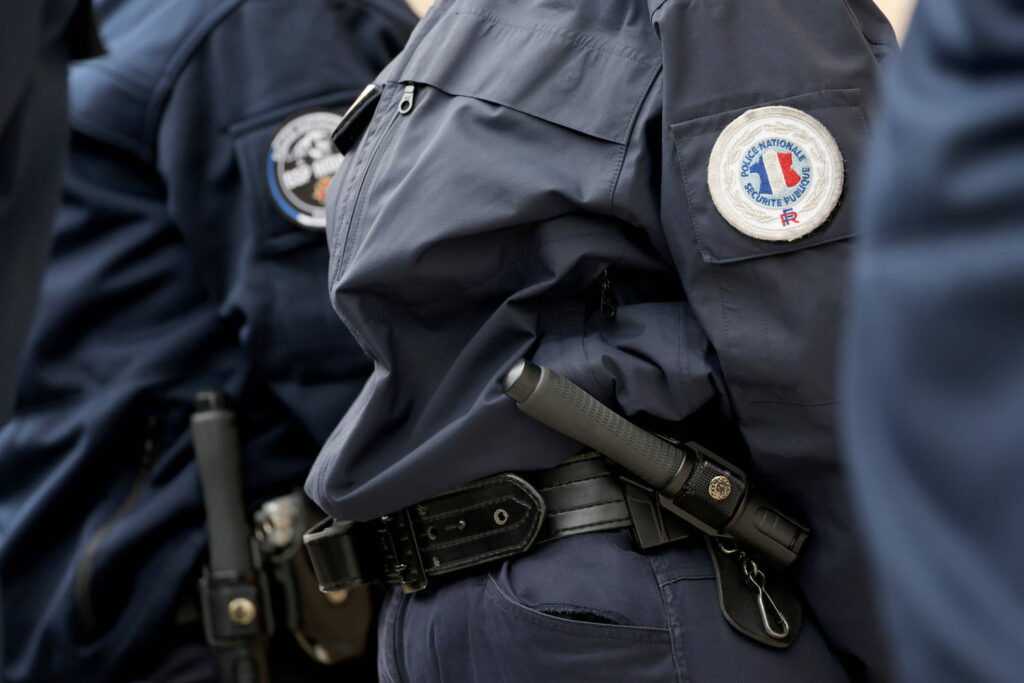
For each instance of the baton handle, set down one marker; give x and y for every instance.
(556, 402)
(217, 450)
(232, 591)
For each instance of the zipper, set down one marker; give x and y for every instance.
(609, 304)
(405, 106)
(84, 569)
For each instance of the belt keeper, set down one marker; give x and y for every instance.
(400, 538)
(344, 554)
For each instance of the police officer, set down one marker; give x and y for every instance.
(189, 254)
(38, 38)
(934, 372)
(650, 199)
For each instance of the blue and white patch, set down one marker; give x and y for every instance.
(776, 173)
(300, 164)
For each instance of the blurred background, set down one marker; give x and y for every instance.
(899, 12)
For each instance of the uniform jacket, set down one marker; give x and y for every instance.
(554, 159)
(934, 373)
(174, 268)
(38, 40)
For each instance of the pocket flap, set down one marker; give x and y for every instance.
(838, 111)
(583, 81)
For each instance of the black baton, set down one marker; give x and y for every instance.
(693, 483)
(234, 614)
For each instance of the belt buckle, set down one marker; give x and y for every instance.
(400, 543)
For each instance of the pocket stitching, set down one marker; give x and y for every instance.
(560, 33)
(471, 24)
(516, 610)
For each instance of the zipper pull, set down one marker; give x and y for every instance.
(608, 304)
(408, 99)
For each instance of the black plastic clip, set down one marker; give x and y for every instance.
(652, 527)
(235, 605)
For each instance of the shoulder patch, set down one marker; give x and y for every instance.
(300, 164)
(776, 173)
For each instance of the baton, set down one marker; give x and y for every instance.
(231, 590)
(695, 484)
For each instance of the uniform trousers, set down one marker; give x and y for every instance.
(587, 608)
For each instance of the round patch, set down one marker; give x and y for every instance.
(301, 162)
(776, 173)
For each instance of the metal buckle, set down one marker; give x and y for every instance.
(400, 543)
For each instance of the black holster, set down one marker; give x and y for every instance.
(331, 627)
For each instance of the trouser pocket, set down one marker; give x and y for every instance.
(585, 608)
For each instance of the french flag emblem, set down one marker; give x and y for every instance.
(776, 172)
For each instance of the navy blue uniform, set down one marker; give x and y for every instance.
(935, 373)
(38, 40)
(180, 262)
(552, 159)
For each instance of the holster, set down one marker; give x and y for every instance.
(331, 627)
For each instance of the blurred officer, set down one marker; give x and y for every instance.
(189, 254)
(38, 38)
(649, 199)
(935, 369)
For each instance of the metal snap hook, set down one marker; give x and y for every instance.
(769, 611)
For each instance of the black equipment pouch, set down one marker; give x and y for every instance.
(332, 626)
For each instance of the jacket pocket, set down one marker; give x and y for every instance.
(286, 161)
(463, 183)
(356, 177)
(839, 111)
(454, 155)
(772, 307)
(588, 83)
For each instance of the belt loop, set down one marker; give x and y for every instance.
(400, 538)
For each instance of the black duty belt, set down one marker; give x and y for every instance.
(488, 520)
(508, 514)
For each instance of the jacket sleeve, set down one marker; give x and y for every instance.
(934, 371)
(33, 140)
(762, 113)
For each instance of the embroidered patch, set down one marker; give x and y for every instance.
(776, 173)
(300, 164)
